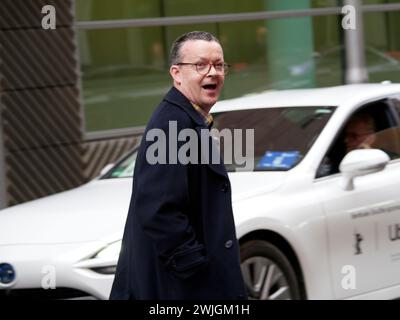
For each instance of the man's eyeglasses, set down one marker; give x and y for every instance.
(204, 68)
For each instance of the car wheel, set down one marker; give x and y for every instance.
(267, 273)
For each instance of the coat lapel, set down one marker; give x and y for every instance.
(210, 151)
(175, 97)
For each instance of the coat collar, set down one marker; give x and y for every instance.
(177, 98)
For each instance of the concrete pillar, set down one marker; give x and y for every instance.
(41, 127)
(290, 47)
(356, 71)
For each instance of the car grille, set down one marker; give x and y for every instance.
(42, 294)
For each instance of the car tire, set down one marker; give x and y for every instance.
(267, 273)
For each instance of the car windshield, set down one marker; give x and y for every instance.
(124, 168)
(282, 135)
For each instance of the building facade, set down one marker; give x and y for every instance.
(77, 97)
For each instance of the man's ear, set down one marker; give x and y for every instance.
(175, 73)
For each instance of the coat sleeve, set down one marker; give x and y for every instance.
(162, 205)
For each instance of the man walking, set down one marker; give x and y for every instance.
(179, 240)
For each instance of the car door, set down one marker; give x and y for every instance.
(363, 225)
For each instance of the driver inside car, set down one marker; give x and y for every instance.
(360, 132)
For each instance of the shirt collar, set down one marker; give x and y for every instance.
(208, 118)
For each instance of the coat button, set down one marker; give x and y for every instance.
(225, 187)
(228, 244)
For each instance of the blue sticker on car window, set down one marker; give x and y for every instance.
(278, 160)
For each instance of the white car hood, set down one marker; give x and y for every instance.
(250, 184)
(88, 213)
(97, 210)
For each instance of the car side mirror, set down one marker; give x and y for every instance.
(361, 162)
(106, 168)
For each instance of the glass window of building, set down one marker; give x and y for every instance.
(125, 70)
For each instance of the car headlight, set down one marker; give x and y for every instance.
(104, 261)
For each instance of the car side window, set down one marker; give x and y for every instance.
(371, 126)
(388, 139)
(395, 102)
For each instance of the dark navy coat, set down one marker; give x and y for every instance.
(179, 240)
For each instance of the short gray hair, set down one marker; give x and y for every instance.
(174, 56)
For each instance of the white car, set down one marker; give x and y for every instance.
(313, 222)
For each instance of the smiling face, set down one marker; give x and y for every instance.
(202, 90)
